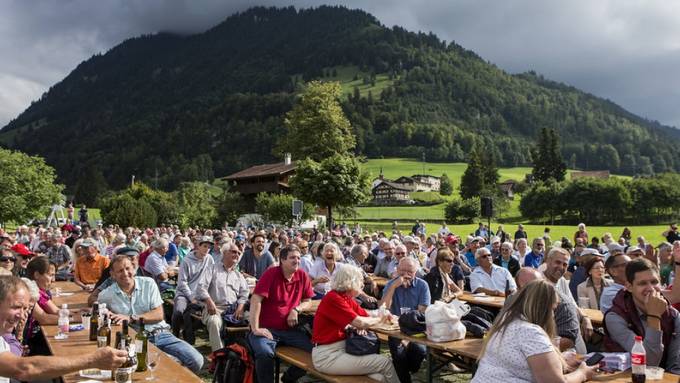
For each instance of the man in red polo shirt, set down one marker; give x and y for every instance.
(280, 294)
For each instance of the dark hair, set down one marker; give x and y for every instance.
(611, 260)
(40, 264)
(117, 259)
(283, 255)
(273, 246)
(638, 265)
(590, 263)
(252, 239)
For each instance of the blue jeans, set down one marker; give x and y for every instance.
(171, 345)
(406, 360)
(264, 351)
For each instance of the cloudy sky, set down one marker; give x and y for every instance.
(626, 51)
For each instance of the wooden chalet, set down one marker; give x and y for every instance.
(388, 192)
(269, 178)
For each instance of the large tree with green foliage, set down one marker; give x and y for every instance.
(334, 181)
(229, 205)
(196, 202)
(28, 187)
(547, 158)
(316, 126)
(472, 180)
(163, 204)
(91, 185)
(124, 210)
(278, 208)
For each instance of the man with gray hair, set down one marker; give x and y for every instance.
(60, 255)
(489, 278)
(157, 266)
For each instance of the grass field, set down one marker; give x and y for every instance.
(651, 232)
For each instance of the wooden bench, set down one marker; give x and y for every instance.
(302, 359)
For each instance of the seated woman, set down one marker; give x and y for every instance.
(591, 289)
(518, 347)
(445, 279)
(323, 270)
(337, 311)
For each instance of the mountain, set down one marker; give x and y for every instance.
(170, 108)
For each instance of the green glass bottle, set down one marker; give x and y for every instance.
(141, 346)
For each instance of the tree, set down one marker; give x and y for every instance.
(163, 204)
(28, 187)
(547, 158)
(445, 186)
(335, 181)
(462, 211)
(196, 204)
(124, 210)
(229, 205)
(472, 180)
(490, 174)
(278, 208)
(91, 185)
(316, 126)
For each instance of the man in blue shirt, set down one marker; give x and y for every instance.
(256, 260)
(131, 298)
(406, 292)
(470, 254)
(535, 257)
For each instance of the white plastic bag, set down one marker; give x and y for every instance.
(443, 323)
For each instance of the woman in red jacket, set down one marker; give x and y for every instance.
(337, 311)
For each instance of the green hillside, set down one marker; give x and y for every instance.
(170, 108)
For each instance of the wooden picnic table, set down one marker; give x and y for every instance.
(486, 300)
(625, 377)
(380, 281)
(466, 350)
(596, 316)
(78, 342)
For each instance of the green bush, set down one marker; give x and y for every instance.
(125, 211)
(462, 211)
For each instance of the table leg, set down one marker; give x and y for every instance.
(430, 367)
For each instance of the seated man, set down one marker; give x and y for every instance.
(194, 268)
(489, 278)
(383, 265)
(222, 289)
(157, 266)
(406, 291)
(106, 280)
(641, 310)
(280, 294)
(90, 266)
(615, 266)
(60, 255)
(131, 298)
(255, 259)
(401, 251)
(535, 257)
(14, 301)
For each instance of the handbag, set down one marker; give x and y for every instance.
(359, 345)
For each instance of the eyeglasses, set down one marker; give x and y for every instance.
(400, 253)
(485, 256)
(448, 260)
(8, 259)
(505, 248)
(539, 245)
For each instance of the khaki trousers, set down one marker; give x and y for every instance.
(332, 359)
(214, 325)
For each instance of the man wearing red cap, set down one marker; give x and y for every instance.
(23, 256)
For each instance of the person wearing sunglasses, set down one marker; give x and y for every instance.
(489, 278)
(7, 260)
(446, 280)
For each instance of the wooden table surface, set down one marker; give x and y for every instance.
(625, 377)
(78, 342)
(468, 347)
(596, 316)
(488, 301)
(380, 281)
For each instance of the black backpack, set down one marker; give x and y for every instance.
(227, 365)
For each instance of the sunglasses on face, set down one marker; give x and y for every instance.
(400, 253)
(448, 260)
(8, 259)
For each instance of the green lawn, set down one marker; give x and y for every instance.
(651, 232)
(346, 74)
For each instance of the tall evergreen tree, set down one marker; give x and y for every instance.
(472, 180)
(547, 158)
(445, 186)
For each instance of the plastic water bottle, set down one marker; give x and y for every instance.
(671, 278)
(638, 360)
(63, 322)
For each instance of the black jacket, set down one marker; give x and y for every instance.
(434, 281)
(513, 265)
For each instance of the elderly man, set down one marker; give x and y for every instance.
(506, 260)
(157, 266)
(280, 294)
(489, 278)
(382, 268)
(195, 267)
(535, 257)
(357, 257)
(90, 266)
(256, 260)
(306, 260)
(615, 266)
(131, 298)
(59, 254)
(223, 290)
(406, 291)
(641, 310)
(14, 301)
(472, 247)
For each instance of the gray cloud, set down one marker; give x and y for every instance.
(626, 51)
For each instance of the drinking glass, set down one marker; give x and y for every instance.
(152, 359)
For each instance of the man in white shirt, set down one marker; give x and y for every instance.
(489, 278)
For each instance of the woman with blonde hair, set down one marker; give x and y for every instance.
(518, 347)
(337, 311)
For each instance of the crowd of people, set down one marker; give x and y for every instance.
(212, 274)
